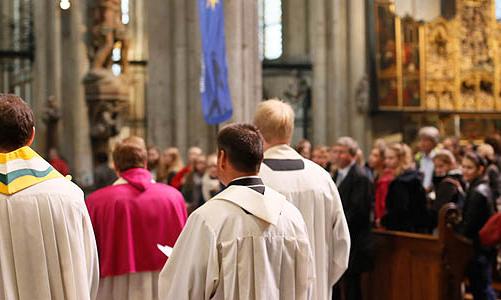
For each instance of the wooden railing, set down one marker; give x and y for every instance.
(418, 266)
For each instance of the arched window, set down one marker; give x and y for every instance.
(498, 10)
(270, 29)
(125, 11)
(116, 55)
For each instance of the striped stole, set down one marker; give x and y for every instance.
(23, 168)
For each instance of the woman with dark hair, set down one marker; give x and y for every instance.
(477, 209)
(492, 172)
(406, 198)
(304, 148)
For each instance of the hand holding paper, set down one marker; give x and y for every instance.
(165, 250)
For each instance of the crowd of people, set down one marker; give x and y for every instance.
(258, 219)
(404, 190)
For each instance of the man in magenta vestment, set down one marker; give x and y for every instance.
(130, 218)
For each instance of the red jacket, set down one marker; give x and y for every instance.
(490, 234)
(178, 181)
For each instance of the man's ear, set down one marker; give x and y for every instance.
(32, 137)
(221, 158)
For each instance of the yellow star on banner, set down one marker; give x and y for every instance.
(212, 3)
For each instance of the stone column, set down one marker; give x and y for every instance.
(318, 41)
(244, 67)
(339, 117)
(159, 106)
(75, 117)
(295, 31)
(47, 69)
(338, 50)
(138, 51)
(358, 84)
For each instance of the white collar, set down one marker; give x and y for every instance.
(282, 151)
(267, 207)
(120, 180)
(346, 169)
(253, 176)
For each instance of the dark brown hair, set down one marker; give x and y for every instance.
(476, 159)
(243, 146)
(16, 122)
(495, 141)
(130, 153)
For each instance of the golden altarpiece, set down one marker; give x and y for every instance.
(448, 68)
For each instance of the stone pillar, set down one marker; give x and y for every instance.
(338, 50)
(75, 116)
(295, 31)
(318, 41)
(173, 103)
(180, 78)
(340, 112)
(47, 69)
(138, 51)
(358, 80)
(244, 67)
(160, 109)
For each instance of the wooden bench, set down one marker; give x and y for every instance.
(418, 266)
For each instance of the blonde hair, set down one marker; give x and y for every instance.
(446, 157)
(166, 168)
(486, 151)
(275, 120)
(404, 156)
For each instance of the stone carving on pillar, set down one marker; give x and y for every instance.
(298, 88)
(51, 117)
(362, 95)
(106, 94)
(299, 94)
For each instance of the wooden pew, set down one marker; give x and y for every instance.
(412, 266)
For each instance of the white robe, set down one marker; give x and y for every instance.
(132, 286)
(47, 244)
(241, 245)
(314, 193)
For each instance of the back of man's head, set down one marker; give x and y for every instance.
(130, 153)
(16, 122)
(275, 120)
(242, 145)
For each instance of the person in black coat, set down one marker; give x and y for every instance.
(478, 207)
(447, 182)
(356, 192)
(406, 199)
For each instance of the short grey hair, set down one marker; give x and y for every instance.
(349, 143)
(430, 132)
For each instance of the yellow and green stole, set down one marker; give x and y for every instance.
(23, 168)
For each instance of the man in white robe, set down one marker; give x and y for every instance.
(247, 242)
(47, 245)
(311, 189)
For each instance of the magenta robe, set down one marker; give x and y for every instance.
(131, 218)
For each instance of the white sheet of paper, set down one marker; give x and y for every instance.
(165, 250)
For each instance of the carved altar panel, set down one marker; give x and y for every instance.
(475, 23)
(440, 76)
(444, 65)
(411, 35)
(386, 57)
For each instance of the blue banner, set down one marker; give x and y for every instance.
(216, 99)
